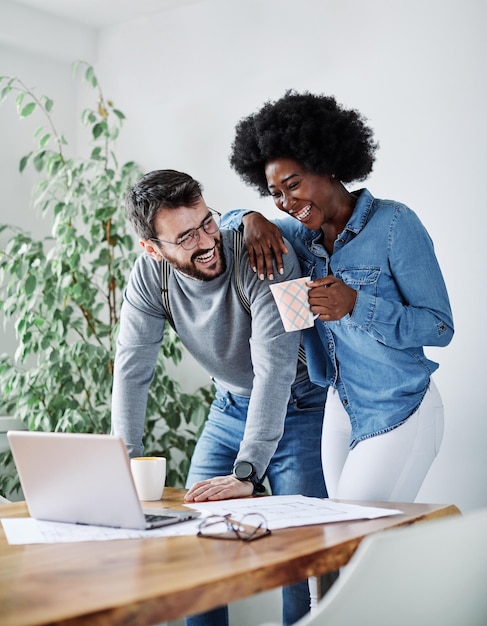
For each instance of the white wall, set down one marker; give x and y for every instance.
(415, 68)
(40, 50)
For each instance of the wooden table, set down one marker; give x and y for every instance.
(147, 581)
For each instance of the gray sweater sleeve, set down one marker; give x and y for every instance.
(139, 339)
(274, 360)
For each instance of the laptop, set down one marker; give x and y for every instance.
(83, 479)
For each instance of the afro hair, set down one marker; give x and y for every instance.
(311, 129)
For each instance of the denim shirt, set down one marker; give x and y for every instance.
(374, 356)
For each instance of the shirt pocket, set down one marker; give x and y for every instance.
(365, 279)
(360, 278)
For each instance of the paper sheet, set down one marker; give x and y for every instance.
(279, 511)
(28, 530)
(289, 511)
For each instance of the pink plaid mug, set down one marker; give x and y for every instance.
(291, 298)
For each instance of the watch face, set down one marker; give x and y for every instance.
(244, 470)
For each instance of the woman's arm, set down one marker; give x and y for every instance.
(263, 240)
(422, 316)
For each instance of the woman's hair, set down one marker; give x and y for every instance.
(160, 189)
(313, 130)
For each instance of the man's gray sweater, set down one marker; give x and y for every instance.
(250, 356)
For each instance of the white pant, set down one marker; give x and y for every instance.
(388, 467)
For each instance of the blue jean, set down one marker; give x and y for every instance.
(295, 468)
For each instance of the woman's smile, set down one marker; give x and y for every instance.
(303, 214)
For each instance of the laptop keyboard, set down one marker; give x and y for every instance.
(157, 518)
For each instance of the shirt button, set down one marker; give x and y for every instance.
(345, 402)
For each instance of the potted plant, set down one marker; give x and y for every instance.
(64, 292)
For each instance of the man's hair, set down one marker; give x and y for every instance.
(159, 189)
(311, 129)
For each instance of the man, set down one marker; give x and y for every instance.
(266, 418)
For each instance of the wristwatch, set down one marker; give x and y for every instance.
(245, 471)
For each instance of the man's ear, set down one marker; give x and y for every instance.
(150, 249)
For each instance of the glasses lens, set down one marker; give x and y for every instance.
(216, 526)
(212, 225)
(252, 526)
(189, 241)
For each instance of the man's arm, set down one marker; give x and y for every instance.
(139, 339)
(274, 358)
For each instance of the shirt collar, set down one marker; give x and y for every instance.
(361, 212)
(357, 220)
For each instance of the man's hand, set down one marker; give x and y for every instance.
(264, 244)
(330, 298)
(219, 488)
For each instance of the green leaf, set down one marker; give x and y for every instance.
(128, 242)
(88, 117)
(58, 207)
(53, 164)
(44, 140)
(19, 100)
(30, 284)
(96, 153)
(23, 162)
(90, 76)
(99, 129)
(39, 160)
(4, 92)
(28, 109)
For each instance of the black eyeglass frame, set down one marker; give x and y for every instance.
(193, 236)
(237, 527)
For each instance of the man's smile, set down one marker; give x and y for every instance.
(206, 256)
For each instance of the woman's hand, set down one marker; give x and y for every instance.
(330, 298)
(264, 244)
(219, 488)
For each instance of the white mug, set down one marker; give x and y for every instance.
(149, 474)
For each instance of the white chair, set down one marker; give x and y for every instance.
(433, 573)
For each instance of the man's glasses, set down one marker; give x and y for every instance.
(189, 240)
(248, 528)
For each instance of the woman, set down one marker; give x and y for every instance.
(376, 287)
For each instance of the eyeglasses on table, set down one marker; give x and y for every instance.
(249, 527)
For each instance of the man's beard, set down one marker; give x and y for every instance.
(192, 269)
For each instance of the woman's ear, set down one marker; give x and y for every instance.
(150, 249)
